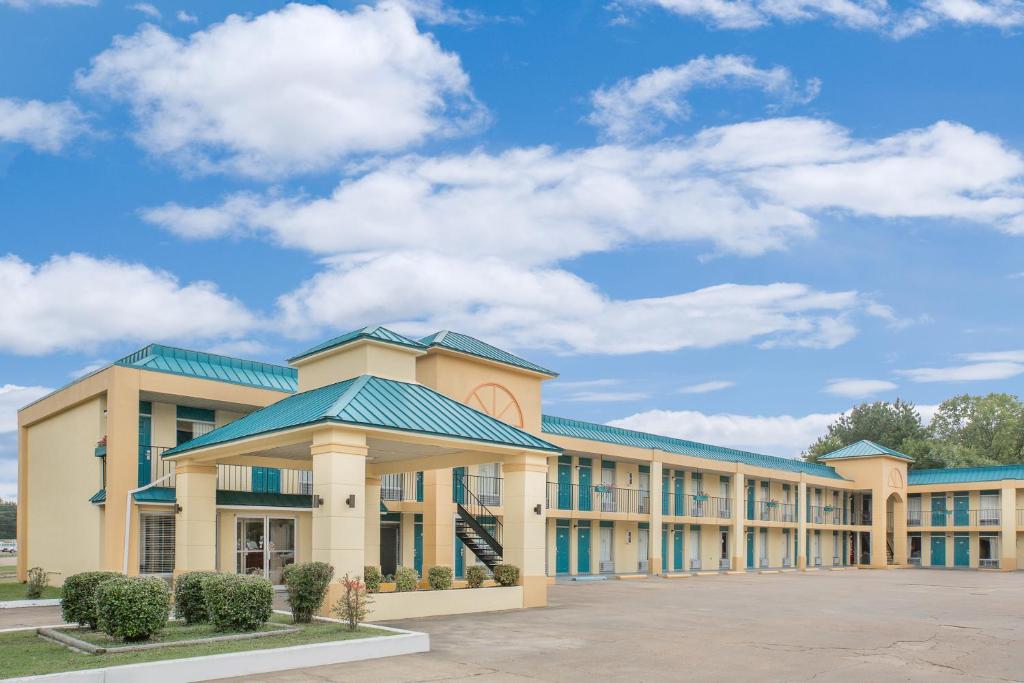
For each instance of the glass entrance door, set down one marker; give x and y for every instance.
(265, 546)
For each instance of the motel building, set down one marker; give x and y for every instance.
(376, 449)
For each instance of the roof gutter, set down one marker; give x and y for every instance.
(128, 516)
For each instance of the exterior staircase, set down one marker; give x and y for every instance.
(478, 528)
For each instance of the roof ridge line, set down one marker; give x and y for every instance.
(347, 396)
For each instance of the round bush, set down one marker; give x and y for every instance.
(236, 602)
(132, 608)
(307, 587)
(190, 598)
(406, 579)
(476, 575)
(439, 578)
(506, 574)
(78, 597)
(372, 578)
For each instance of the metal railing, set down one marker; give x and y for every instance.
(774, 511)
(1020, 518)
(955, 518)
(477, 515)
(240, 478)
(399, 487)
(695, 505)
(597, 498)
(486, 489)
(988, 563)
(825, 514)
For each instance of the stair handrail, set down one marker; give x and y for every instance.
(471, 509)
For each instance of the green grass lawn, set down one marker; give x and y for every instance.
(175, 631)
(26, 654)
(12, 590)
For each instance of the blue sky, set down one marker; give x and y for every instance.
(728, 221)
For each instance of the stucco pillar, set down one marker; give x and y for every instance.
(801, 531)
(371, 540)
(523, 526)
(654, 552)
(878, 529)
(438, 519)
(899, 532)
(195, 528)
(339, 521)
(122, 466)
(21, 530)
(1007, 529)
(739, 540)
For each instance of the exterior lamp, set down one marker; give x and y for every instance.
(538, 508)
(318, 501)
(177, 509)
(351, 500)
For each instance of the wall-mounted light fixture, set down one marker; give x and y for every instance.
(351, 500)
(629, 537)
(629, 478)
(538, 508)
(318, 501)
(177, 509)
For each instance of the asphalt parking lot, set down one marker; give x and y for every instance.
(899, 625)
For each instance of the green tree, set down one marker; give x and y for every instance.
(978, 430)
(8, 518)
(894, 425)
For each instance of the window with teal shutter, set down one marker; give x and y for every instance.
(259, 479)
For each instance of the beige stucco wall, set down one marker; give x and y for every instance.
(352, 360)
(227, 524)
(388, 606)
(64, 527)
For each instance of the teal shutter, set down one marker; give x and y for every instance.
(273, 477)
(259, 480)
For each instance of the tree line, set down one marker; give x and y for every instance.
(966, 431)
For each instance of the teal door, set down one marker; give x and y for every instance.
(586, 490)
(564, 486)
(665, 494)
(961, 510)
(750, 549)
(562, 550)
(938, 509)
(677, 549)
(145, 450)
(458, 494)
(460, 557)
(664, 549)
(750, 500)
(419, 487)
(583, 550)
(677, 491)
(417, 548)
(961, 550)
(938, 550)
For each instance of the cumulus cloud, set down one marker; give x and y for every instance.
(876, 15)
(185, 17)
(146, 8)
(859, 388)
(43, 126)
(971, 372)
(707, 387)
(784, 435)
(29, 4)
(635, 107)
(14, 397)
(76, 302)
(299, 89)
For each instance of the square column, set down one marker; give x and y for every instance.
(899, 532)
(371, 539)
(801, 531)
(654, 553)
(438, 520)
(879, 529)
(195, 528)
(339, 526)
(523, 528)
(1007, 529)
(739, 540)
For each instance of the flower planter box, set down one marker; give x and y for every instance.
(389, 606)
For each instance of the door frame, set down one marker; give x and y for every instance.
(266, 539)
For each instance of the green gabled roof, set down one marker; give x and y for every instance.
(99, 497)
(627, 437)
(374, 332)
(167, 495)
(463, 343)
(862, 449)
(160, 358)
(963, 475)
(372, 402)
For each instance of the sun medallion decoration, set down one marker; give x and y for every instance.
(496, 401)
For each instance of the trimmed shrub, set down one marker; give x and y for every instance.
(439, 578)
(133, 608)
(236, 602)
(406, 579)
(78, 597)
(506, 574)
(372, 578)
(307, 587)
(190, 597)
(37, 581)
(476, 575)
(353, 605)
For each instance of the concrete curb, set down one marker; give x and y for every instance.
(15, 604)
(252, 662)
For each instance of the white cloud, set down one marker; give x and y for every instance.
(858, 388)
(439, 12)
(521, 307)
(186, 18)
(927, 412)
(784, 435)
(8, 472)
(88, 368)
(43, 126)
(607, 396)
(298, 89)
(146, 8)
(965, 373)
(558, 384)
(77, 302)
(745, 188)
(1016, 356)
(28, 4)
(13, 397)
(876, 15)
(241, 348)
(707, 387)
(636, 107)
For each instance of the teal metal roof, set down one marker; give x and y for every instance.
(374, 332)
(463, 343)
(160, 358)
(164, 494)
(373, 402)
(963, 475)
(626, 437)
(864, 448)
(99, 497)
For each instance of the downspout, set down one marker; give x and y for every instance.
(128, 516)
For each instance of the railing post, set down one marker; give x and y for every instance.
(739, 541)
(654, 549)
(801, 515)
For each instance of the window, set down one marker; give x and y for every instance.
(915, 548)
(988, 550)
(305, 482)
(989, 508)
(156, 543)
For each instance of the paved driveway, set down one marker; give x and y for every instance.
(853, 626)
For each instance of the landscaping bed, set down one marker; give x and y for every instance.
(13, 589)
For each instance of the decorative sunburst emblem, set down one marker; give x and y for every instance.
(895, 479)
(496, 401)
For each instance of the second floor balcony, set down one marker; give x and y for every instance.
(954, 518)
(598, 498)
